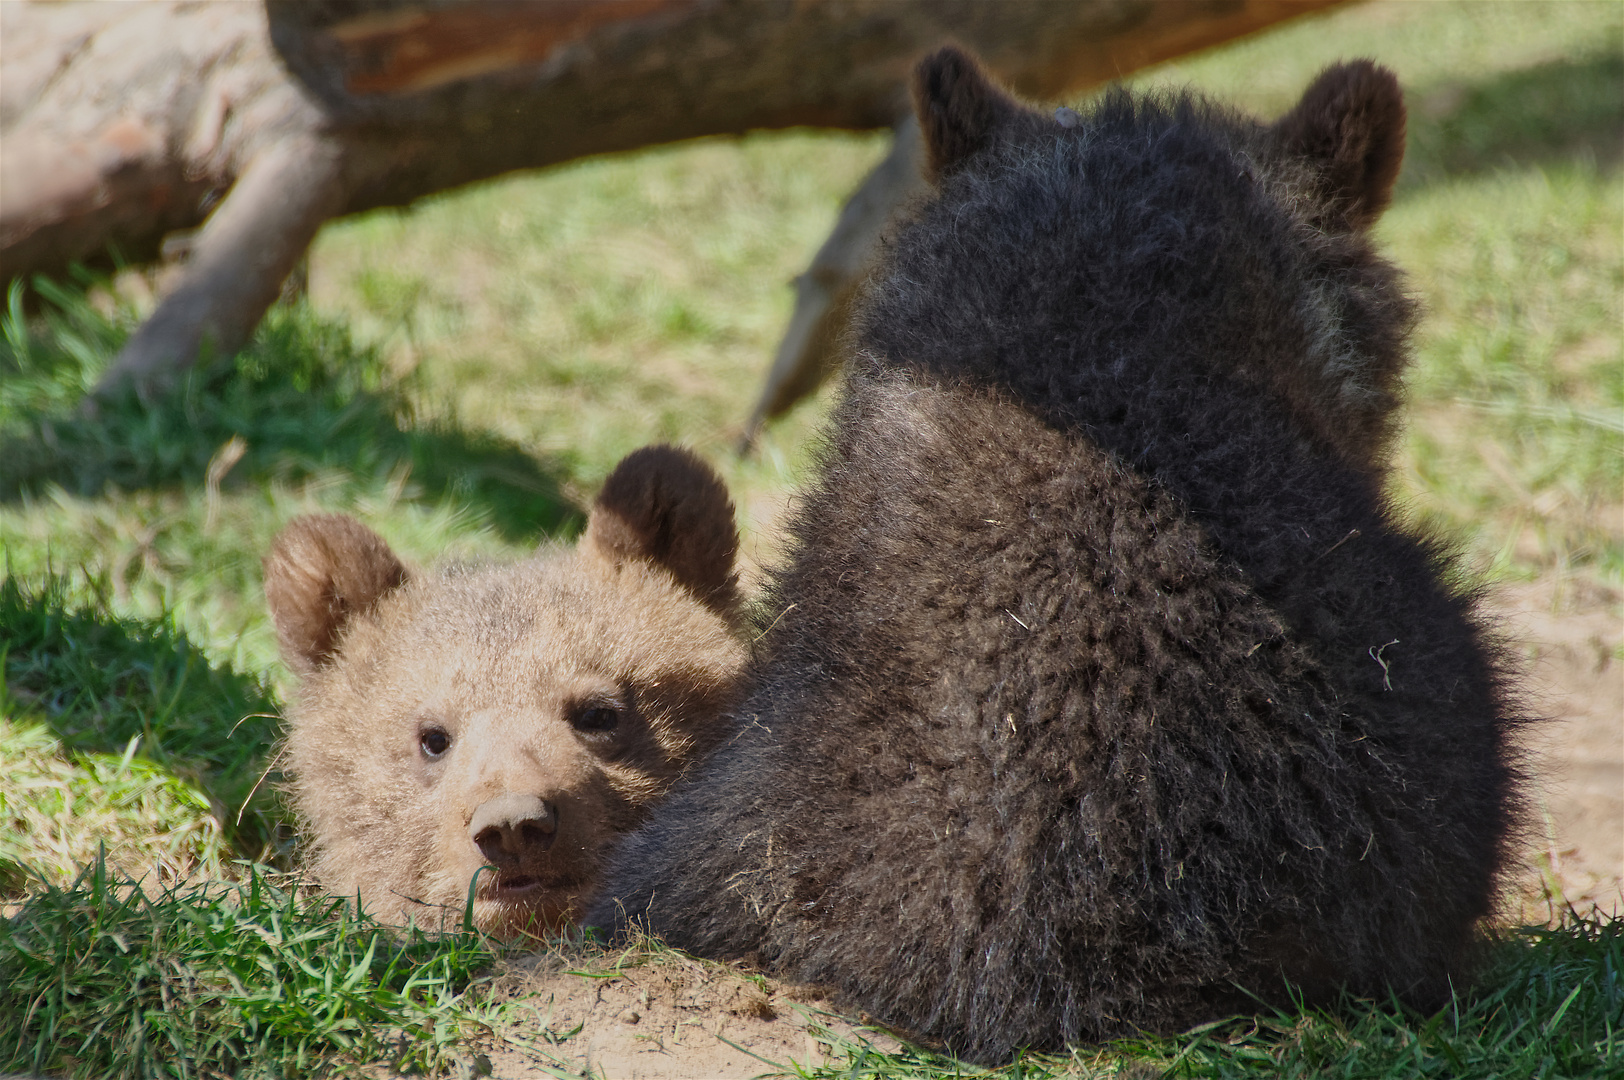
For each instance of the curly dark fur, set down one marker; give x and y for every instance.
(1102, 678)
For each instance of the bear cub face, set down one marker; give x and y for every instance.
(505, 721)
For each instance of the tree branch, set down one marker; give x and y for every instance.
(808, 352)
(237, 264)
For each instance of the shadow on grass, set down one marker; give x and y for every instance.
(1557, 111)
(301, 399)
(98, 681)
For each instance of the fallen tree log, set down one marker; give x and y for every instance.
(124, 122)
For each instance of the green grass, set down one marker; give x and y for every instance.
(463, 376)
(132, 779)
(608, 303)
(173, 506)
(300, 400)
(79, 687)
(1509, 220)
(1551, 1005)
(1516, 436)
(62, 809)
(107, 977)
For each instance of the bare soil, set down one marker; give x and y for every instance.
(654, 1013)
(657, 1013)
(1570, 633)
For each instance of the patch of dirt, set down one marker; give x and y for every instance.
(1570, 635)
(660, 1014)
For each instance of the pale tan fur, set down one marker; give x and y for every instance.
(503, 660)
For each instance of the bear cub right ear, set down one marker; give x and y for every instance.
(1350, 126)
(663, 505)
(324, 570)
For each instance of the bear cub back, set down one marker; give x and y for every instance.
(1102, 688)
(514, 717)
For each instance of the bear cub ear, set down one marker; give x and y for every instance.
(663, 505)
(324, 570)
(960, 109)
(1350, 126)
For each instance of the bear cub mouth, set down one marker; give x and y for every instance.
(508, 885)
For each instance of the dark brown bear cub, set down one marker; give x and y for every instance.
(516, 717)
(1101, 679)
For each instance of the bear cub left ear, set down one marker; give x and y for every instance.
(961, 111)
(1350, 126)
(663, 505)
(324, 571)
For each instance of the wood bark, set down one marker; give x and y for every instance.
(239, 260)
(123, 122)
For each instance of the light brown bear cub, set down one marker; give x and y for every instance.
(516, 717)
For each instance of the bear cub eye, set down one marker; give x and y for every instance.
(596, 717)
(433, 740)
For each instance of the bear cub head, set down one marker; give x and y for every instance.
(496, 728)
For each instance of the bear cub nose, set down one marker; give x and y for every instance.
(512, 828)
